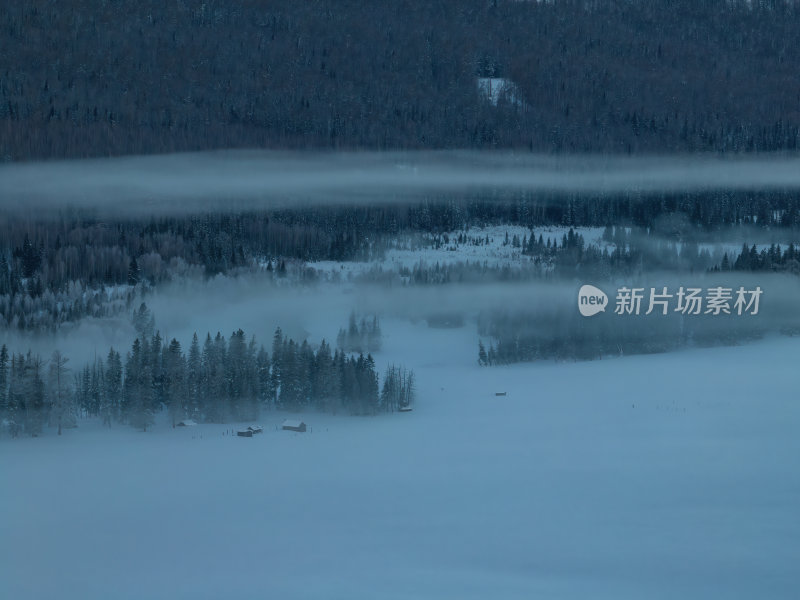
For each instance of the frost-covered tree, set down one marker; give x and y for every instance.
(32, 393)
(60, 396)
(398, 389)
(112, 403)
(3, 383)
(138, 388)
(263, 377)
(143, 321)
(174, 373)
(194, 380)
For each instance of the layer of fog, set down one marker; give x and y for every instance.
(257, 179)
(315, 312)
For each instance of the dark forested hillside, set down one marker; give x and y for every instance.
(138, 76)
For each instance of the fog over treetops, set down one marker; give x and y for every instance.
(228, 180)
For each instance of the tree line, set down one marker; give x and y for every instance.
(218, 380)
(69, 265)
(769, 259)
(559, 332)
(38, 254)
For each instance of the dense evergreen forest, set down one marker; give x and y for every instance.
(139, 76)
(49, 253)
(217, 381)
(62, 267)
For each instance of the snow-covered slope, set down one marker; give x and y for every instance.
(669, 476)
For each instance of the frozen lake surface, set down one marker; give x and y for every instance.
(668, 476)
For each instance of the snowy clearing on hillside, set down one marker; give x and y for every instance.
(496, 249)
(494, 252)
(668, 476)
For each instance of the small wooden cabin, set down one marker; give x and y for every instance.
(293, 425)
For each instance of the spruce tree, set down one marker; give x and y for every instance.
(58, 386)
(482, 358)
(3, 381)
(113, 389)
(263, 378)
(193, 379)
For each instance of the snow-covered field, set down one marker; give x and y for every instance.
(494, 253)
(668, 476)
(497, 253)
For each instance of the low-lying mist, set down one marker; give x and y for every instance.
(231, 180)
(318, 311)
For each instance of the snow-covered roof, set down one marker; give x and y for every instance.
(292, 423)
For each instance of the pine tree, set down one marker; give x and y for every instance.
(31, 258)
(370, 388)
(138, 388)
(208, 369)
(155, 360)
(193, 380)
(277, 365)
(34, 394)
(58, 381)
(322, 389)
(143, 321)
(482, 358)
(96, 386)
(374, 335)
(174, 381)
(252, 381)
(134, 275)
(263, 375)
(5, 275)
(218, 387)
(409, 390)
(3, 382)
(388, 390)
(15, 399)
(113, 388)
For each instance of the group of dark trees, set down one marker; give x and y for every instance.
(768, 259)
(38, 254)
(563, 334)
(34, 392)
(604, 75)
(216, 381)
(363, 336)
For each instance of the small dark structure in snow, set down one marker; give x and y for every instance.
(499, 393)
(244, 433)
(256, 429)
(293, 425)
(404, 409)
(186, 423)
